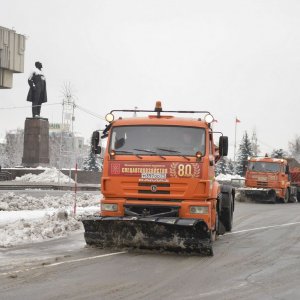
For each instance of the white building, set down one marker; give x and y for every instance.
(12, 48)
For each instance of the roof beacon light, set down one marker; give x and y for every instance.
(208, 118)
(109, 117)
(158, 108)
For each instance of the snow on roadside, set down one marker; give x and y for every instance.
(11, 201)
(228, 177)
(50, 175)
(57, 224)
(26, 219)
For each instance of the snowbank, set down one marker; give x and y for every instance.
(228, 177)
(11, 201)
(50, 175)
(26, 219)
(52, 225)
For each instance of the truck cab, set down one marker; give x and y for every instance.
(268, 179)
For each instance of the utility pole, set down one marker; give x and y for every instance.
(67, 127)
(236, 121)
(134, 114)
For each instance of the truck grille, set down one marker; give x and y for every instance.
(153, 188)
(151, 210)
(262, 183)
(154, 199)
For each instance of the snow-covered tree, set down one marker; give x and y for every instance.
(3, 157)
(65, 149)
(294, 147)
(279, 153)
(221, 166)
(13, 149)
(92, 162)
(231, 167)
(245, 151)
(224, 166)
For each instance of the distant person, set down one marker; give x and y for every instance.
(37, 93)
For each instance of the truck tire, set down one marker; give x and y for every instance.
(227, 214)
(286, 196)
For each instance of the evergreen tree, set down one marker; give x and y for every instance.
(279, 153)
(224, 166)
(245, 151)
(221, 166)
(92, 162)
(231, 167)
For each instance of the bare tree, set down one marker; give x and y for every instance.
(294, 147)
(13, 148)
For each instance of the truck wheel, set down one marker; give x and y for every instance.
(286, 196)
(226, 215)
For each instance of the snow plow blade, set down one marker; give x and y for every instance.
(164, 233)
(258, 195)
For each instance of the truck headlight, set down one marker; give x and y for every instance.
(109, 207)
(198, 209)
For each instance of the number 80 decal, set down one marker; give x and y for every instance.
(184, 170)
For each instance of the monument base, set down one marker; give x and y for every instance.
(36, 142)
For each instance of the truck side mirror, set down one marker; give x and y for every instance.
(287, 170)
(223, 145)
(95, 142)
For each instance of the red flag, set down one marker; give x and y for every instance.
(237, 120)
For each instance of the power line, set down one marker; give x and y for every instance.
(57, 103)
(89, 112)
(266, 145)
(28, 106)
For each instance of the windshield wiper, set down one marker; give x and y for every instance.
(127, 152)
(145, 150)
(174, 151)
(168, 150)
(150, 151)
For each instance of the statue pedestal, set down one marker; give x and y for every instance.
(36, 142)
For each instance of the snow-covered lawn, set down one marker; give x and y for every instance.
(26, 219)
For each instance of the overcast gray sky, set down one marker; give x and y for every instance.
(233, 58)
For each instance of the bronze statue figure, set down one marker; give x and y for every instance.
(37, 93)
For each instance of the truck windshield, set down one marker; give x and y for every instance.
(158, 140)
(261, 166)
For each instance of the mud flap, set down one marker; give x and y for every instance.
(170, 234)
(221, 228)
(293, 195)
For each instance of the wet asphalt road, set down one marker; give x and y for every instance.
(258, 260)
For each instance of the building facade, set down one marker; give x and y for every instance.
(12, 49)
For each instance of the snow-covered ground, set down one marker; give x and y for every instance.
(26, 219)
(50, 175)
(228, 177)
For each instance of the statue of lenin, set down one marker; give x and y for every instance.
(37, 93)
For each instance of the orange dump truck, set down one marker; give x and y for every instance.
(268, 180)
(295, 178)
(158, 183)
